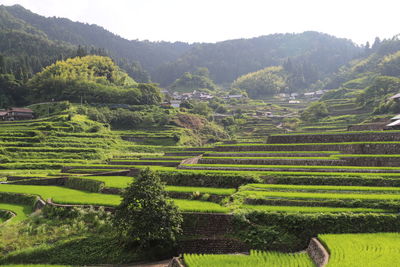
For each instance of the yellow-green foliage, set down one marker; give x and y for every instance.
(90, 79)
(367, 250)
(264, 82)
(256, 259)
(90, 68)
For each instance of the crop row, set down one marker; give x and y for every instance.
(255, 259)
(369, 250)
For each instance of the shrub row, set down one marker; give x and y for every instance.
(85, 184)
(207, 179)
(332, 180)
(17, 198)
(292, 232)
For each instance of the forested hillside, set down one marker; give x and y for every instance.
(149, 54)
(24, 33)
(230, 59)
(371, 80)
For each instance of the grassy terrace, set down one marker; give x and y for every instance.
(64, 195)
(255, 259)
(111, 181)
(301, 209)
(123, 181)
(313, 188)
(333, 168)
(278, 173)
(369, 250)
(207, 190)
(307, 195)
(21, 211)
(274, 152)
(341, 132)
(314, 144)
(261, 158)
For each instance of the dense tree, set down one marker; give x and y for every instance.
(314, 112)
(146, 216)
(262, 83)
(198, 80)
(92, 79)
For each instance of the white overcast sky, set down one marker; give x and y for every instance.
(218, 20)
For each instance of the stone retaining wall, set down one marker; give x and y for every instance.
(303, 162)
(244, 168)
(383, 148)
(212, 246)
(150, 163)
(334, 138)
(346, 161)
(207, 224)
(176, 262)
(233, 155)
(368, 127)
(43, 181)
(183, 154)
(318, 253)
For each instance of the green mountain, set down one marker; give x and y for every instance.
(92, 79)
(167, 61)
(230, 59)
(371, 80)
(149, 54)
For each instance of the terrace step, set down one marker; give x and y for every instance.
(150, 163)
(335, 138)
(227, 168)
(294, 161)
(350, 148)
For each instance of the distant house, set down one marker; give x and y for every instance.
(309, 94)
(176, 103)
(395, 123)
(294, 102)
(15, 114)
(235, 96)
(396, 97)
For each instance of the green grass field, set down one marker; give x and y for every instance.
(111, 181)
(63, 195)
(255, 259)
(367, 250)
(21, 211)
(311, 188)
(296, 209)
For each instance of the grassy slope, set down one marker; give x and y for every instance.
(21, 211)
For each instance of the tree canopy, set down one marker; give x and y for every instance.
(198, 80)
(146, 215)
(91, 79)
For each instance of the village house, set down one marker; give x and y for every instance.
(394, 124)
(15, 114)
(396, 97)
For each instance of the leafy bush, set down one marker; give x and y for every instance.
(207, 179)
(85, 184)
(146, 216)
(292, 231)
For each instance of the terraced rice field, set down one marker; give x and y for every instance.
(21, 211)
(40, 149)
(323, 198)
(369, 250)
(256, 259)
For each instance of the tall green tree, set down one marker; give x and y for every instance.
(146, 216)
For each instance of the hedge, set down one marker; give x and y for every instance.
(85, 184)
(292, 231)
(207, 179)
